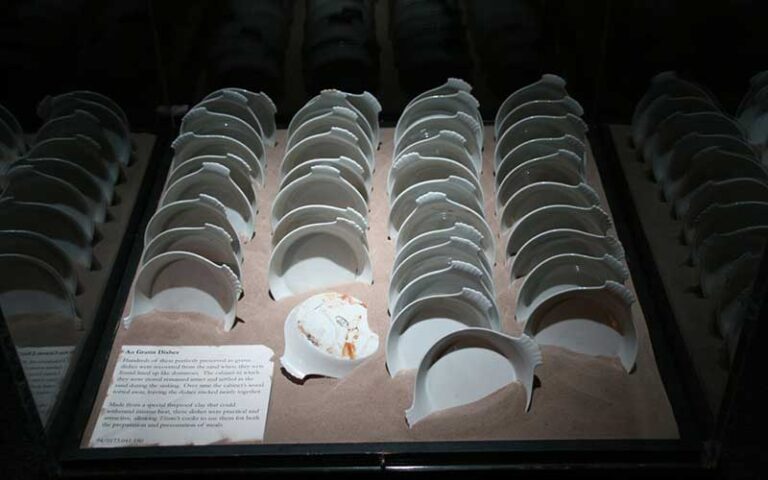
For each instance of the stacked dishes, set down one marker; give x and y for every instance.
(709, 171)
(442, 297)
(320, 214)
(55, 196)
(340, 48)
(193, 243)
(752, 114)
(555, 232)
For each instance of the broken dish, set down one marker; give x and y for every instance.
(541, 194)
(446, 144)
(239, 172)
(36, 245)
(323, 185)
(197, 212)
(184, 282)
(549, 87)
(202, 121)
(233, 103)
(595, 320)
(310, 214)
(729, 190)
(552, 108)
(590, 219)
(208, 241)
(262, 106)
(562, 166)
(436, 237)
(431, 126)
(190, 145)
(423, 322)
(468, 365)
(213, 179)
(662, 107)
(328, 335)
(539, 126)
(561, 241)
(457, 189)
(333, 143)
(350, 171)
(340, 117)
(412, 169)
(435, 211)
(327, 99)
(726, 217)
(721, 248)
(449, 104)
(320, 255)
(681, 155)
(31, 287)
(668, 83)
(535, 148)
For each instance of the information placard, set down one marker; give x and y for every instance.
(45, 368)
(192, 395)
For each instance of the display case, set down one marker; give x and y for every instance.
(384, 237)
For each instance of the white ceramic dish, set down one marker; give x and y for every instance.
(430, 126)
(713, 164)
(677, 161)
(202, 121)
(190, 145)
(55, 224)
(423, 322)
(25, 184)
(336, 142)
(541, 194)
(328, 335)
(192, 213)
(341, 117)
(239, 172)
(594, 321)
(678, 125)
(551, 108)
(446, 144)
(437, 257)
(367, 104)
(81, 151)
(565, 272)
(208, 241)
(449, 104)
(323, 185)
(756, 84)
(662, 107)
(540, 126)
(721, 248)
(325, 101)
(452, 85)
(468, 365)
(30, 287)
(562, 166)
(213, 179)
(668, 83)
(457, 189)
(74, 175)
(549, 87)
(439, 236)
(110, 116)
(185, 282)
(232, 103)
(319, 256)
(538, 147)
(447, 279)
(36, 245)
(262, 106)
(435, 211)
(723, 191)
(349, 170)
(412, 169)
(310, 214)
(726, 217)
(82, 123)
(591, 220)
(562, 241)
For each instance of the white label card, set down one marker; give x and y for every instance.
(45, 368)
(186, 396)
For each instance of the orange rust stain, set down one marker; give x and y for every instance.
(348, 351)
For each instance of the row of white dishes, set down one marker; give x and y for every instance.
(319, 216)
(708, 168)
(53, 198)
(193, 255)
(442, 299)
(557, 237)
